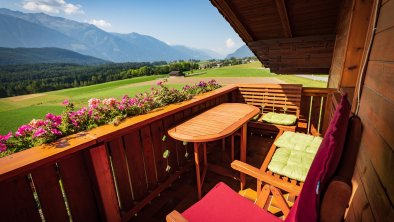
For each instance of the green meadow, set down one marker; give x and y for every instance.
(15, 111)
(253, 69)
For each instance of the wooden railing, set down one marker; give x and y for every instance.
(110, 173)
(315, 103)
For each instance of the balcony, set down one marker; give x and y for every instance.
(113, 172)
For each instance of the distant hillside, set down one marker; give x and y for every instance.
(242, 52)
(14, 56)
(32, 30)
(197, 53)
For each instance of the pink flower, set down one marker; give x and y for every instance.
(109, 102)
(22, 130)
(212, 82)
(186, 87)
(159, 83)
(74, 122)
(94, 103)
(37, 123)
(66, 102)
(133, 101)
(56, 120)
(3, 147)
(56, 132)
(5, 137)
(39, 132)
(121, 107)
(81, 112)
(202, 84)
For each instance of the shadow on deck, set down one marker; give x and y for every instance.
(183, 193)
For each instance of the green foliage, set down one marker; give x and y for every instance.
(35, 78)
(166, 154)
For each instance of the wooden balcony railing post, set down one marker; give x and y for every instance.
(46, 183)
(100, 170)
(77, 184)
(121, 172)
(17, 202)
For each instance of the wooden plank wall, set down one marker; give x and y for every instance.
(338, 58)
(373, 179)
(349, 46)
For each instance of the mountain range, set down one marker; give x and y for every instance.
(241, 52)
(38, 30)
(14, 56)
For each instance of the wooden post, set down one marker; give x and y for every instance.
(243, 152)
(100, 170)
(196, 159)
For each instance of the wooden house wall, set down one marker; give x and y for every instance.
(338, 57)
(350, 42)
(373, 179)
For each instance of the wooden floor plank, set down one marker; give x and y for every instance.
(183, 192)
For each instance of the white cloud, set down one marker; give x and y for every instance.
(100, 23)
(230, 43)
(52, 6)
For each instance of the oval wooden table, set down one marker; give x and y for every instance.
(214, 124)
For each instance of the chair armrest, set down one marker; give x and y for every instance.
(260, 175)
(248, 169)
(335, 201)
(175, 216)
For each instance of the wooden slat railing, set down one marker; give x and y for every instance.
(315, 103)
(110, 173)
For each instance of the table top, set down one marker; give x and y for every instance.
(215, 123)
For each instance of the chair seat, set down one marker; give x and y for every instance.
(224, 204)
(299, 141)
(280, 118)
(294, 164)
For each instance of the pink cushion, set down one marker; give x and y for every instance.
(224, 204)
(323, 166)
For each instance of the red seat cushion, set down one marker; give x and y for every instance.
(224, 204)
(323, 166)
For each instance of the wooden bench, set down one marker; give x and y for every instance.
(278, 98)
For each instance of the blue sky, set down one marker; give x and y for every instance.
(194, 23)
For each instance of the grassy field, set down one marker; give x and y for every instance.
(253, 69)
(300, 80)
(15, 111)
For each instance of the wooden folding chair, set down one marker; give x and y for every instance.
(329, 176)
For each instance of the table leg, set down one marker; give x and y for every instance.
(204, 171)
(243, 152)
(198, 175)
(232, 148)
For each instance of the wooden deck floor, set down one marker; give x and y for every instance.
(183, 193)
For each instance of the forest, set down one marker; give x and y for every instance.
(35, 78)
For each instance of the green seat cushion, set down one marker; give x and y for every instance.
(256, 117)
(293, 164)
(299, 141)
(280, 118)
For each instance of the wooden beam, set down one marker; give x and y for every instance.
(281, 7)
(294, 40)
(228, 13)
